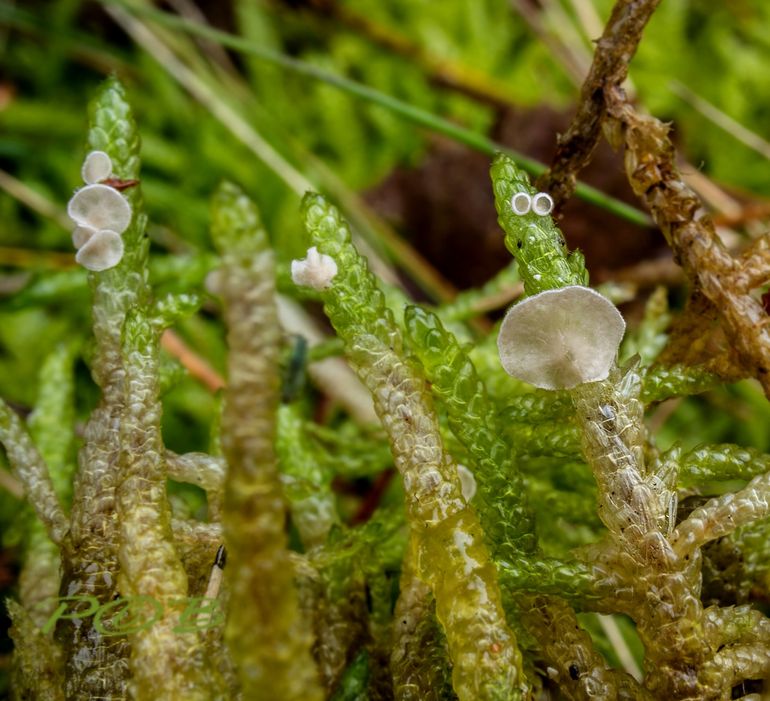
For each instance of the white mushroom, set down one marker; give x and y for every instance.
(316, 270)
(542, 204)
(561, 338)
(100, 207)
(521, 203)
(81, 235)
(467, 482)
(96, 167)
(102, 251)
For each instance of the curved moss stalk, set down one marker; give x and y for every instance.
(712, 463)
(201, 469)
(96, 666)
(640, 568)
(30, 468)
(451, 554)
(267, 639)
(307, 483)
(722, 515)
(501, 497)
(38, 669)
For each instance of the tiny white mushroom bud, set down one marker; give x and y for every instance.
(559, 339)
(521, 203)
(100, 207)
(542, 204)
(316, 270)
(96, 167)
(467, 482)
(81, 235)
(101, 252)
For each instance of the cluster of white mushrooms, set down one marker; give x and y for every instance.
(100, 213)
(556, 339)
(541, 204)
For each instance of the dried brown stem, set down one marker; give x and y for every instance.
(650, 160)
(725, 281)
(609, 69)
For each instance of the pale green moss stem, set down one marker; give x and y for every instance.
(723, 515)
(269, 642)
(501, 497)
(30, 468)
(306, 481)
(451, 554)
(712, 463)
(51, 427)
(96, 664)
(166, 664)
(201, 469)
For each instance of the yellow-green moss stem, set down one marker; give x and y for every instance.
(269, 642)
(37, 659)
(166, 663)
(418, 664)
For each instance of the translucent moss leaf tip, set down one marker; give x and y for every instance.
(533, 238)
(113, 129)
(235, 221)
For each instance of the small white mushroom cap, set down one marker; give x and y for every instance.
(100, 207)
(467, 482)
(542, 204)
(96, 167)
(521, 203)
(559, 339)
(81, 235)
(102, 251)
(316, 270)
